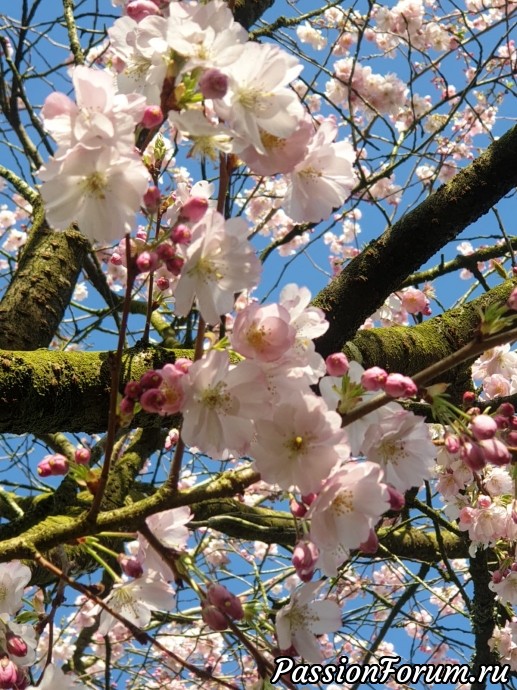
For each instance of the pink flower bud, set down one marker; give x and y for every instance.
(116, 259)
(163, 283)
(139, 9)
(172, 438)
(308, 499)
(506, 409)
(15, 645)
(82, 456)
(373, 379)
(133, 390)
(396, 499)
(214, 618)
(9, 673)
(472, 456)
(452, 443)
(511, 439)
(297, 509)
(495, 451)
(181, 234)
(54, 465)
(153, 117)
(468, 398)
(483, 427)
(371, 544)
(225, 601)
(152, 199)
(194, 209)
(337, 364)
(165, 251)
(151, 379)
(502, 421)
(127, 406)
(152, 400)
(130, 565)
(213, 83)
(147, 261)
(397, 386)
(497, 577)
(175, 265)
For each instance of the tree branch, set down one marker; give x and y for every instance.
(385, 263)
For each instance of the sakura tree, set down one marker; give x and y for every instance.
(257, 391)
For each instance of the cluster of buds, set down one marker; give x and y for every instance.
(219, 606)
(159, 391)
(394, 385)
(299, 508)
(488, 438)
(57, 465)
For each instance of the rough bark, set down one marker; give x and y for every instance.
(40, 291)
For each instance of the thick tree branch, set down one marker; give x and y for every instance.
(386, 262)
(40, 291)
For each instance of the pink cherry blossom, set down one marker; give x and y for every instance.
(263, 333)
(219, 262)
(221, 404)
(135, 600)
(97, 188)
(258, 97)
(401, 444)
(348, 506)
(300, 445)
(323, 180)
(302, 619)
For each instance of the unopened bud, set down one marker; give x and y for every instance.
(213, 83)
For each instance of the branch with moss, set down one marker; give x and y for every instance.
(384, 265)
(42, 287)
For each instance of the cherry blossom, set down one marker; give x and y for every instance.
(136, 600)
(221, 404)
(300, 445)
(302, 619)
(219, 262)
(323, 180)
(401, 444)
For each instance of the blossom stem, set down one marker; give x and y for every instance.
(115, 382)
(140, 635)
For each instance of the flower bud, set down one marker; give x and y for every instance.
(225, 601)
(214, 618)
(127, 406)
(452, 443)
(512, 300)
(337, 364)
(151, 379)
(139, 9)
(194, 209)
(483, 427)
(506, 409)
(15, 645)
(468, 398)
(133, 390)
(495, 451)
(397, 385)
(297, 509)
(373, 379)
(152, 199)
(472, 456)
(396, 499)
(9, 673)
(213, 83)
(304, 559)
(147, 261)
(181, 234)
(163, 283)
(82, 456)
(175, 265)
(130, 565)
(54, 465)
(152, 400)
(152, 117)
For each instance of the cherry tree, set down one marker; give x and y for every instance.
(257, 391)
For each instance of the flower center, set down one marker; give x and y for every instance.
(217, 398)
(95, 184)
(344, 502)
